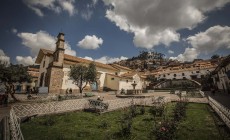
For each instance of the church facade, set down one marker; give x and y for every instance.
(55, 66)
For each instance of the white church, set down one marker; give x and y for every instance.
(55, 66)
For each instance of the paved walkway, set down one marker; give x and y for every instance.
(222, 98)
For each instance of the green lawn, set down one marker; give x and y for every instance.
(197, 125)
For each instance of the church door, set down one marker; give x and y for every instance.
(94, 86)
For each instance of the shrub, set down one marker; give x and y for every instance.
(165, 130)
(157, 111)
(126, 124)
(142, 110)
(103, 125)
(179, 110)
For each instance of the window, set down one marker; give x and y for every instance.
(46, 80)
(127, 81)
(116, 73)
(164, 75)
(112, 78)
(182, 74)
(41, 79)
(174, 75)
(169, 74)
(197, 71)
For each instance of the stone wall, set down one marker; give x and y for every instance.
(55, 79)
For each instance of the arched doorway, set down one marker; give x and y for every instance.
(94, 86)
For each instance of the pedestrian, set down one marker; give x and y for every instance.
(98, 98)
(70, 91)
(67, 91)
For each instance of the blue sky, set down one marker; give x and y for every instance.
(112, 30)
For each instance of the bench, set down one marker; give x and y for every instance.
(98, 105)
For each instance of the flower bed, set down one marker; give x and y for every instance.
(135, 122)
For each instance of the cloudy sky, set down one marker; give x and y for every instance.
(112, 30)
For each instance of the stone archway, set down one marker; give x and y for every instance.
(169, 80)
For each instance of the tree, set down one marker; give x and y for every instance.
(215, 56)
(151, 78)
(82, 75)
(10, 74)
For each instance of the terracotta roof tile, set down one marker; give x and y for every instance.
(81, 60)
(120, 67)
(113, 75)
(72, 59)
(129, 75)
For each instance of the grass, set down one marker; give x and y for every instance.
(85, 126)
(198, 124)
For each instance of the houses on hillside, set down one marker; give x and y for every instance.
(195, 70)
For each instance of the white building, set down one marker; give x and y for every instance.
(196, 70)
(221, 75)
(55, 67)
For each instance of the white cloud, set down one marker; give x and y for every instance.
(68, 6)
(28, 60)
(90, 42)
(87, 14)
(41, 39)
(209, 41)
(189, 55)
(170, 52)
(88, 58)
(95, 2)
(55, 5)
(106, 59)
(155, 22)
(14, 31)
(4, 58)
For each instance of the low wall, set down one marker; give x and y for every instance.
(222, 111)
(23, 110)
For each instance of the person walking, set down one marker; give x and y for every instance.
(70, 91)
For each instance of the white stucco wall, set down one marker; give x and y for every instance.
(127, 83)
(187, 74)
(42, 69)
(112, 82)
(68, 83)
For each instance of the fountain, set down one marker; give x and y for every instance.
(134, 85)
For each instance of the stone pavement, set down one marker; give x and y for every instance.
(222, 98)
